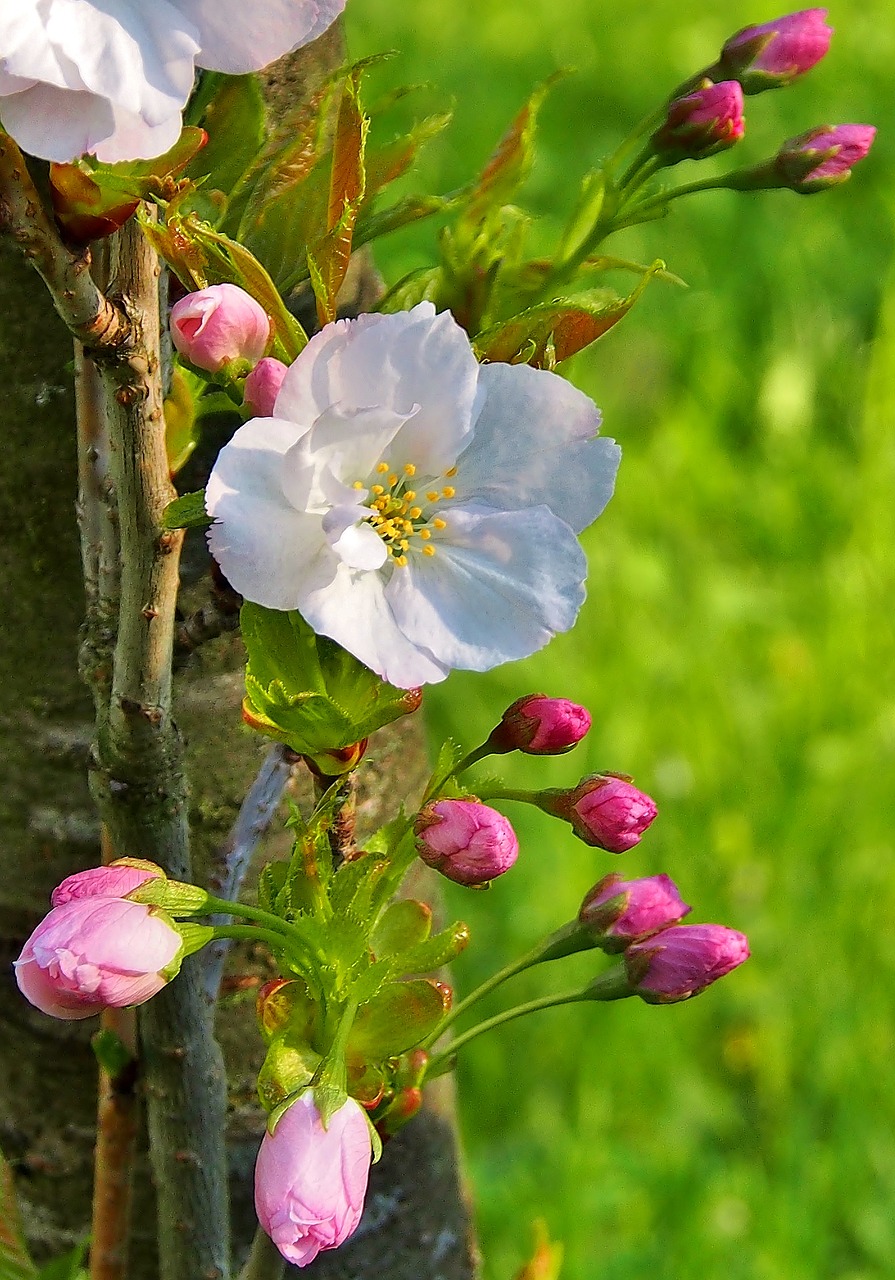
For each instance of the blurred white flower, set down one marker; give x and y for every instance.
(113, 76)
(415, 506)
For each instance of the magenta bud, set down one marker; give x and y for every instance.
(262, 387)
(773, 54)
(218, 325)
(92, 953)
(823, 157)
(116, 880)
(682, 961)
(466, 841)
(703, 122)
(605, 810)
(618, 912)
(311, 1178)
(540, 726)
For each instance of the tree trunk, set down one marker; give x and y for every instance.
(417, 1222)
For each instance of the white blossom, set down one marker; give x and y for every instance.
(112, 77)
(415, 506)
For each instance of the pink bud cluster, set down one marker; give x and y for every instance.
(664, 961)
(97, 949)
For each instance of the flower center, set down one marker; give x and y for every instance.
(404, 518)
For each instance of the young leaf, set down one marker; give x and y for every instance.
(234, 119)
(553, 331)
(435, 952)
(399, 1017)
(187, 512)
(511, 163)
(403, 926)
(15, 1262)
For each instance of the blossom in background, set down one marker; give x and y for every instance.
(701, 123)
(540, 726)
(618, 912)
(823, 157)
(682, 961)
(90, 953)
(773, 54)
(112, 78)
(310, 1181)
(217, 325)
(467, 842)
(414, 506)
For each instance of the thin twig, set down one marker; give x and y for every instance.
(233, 859)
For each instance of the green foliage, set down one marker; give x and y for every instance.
(308, 692)
(15, 1261)
(111, 1052)
(734, 651)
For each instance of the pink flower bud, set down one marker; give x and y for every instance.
(773, 54)
(310, 1180)
(219, 324)
(262, 387)
(703, 122)
(605, 810)
(618, 912)
(682, 961)
(823, 157)
(466, 841)
(116, 880)
(90, 953)
(540, 726)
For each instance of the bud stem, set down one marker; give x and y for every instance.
(611, 985)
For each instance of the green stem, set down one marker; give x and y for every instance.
(551, 948)
(439, 1063)
(480, 753)
(265, 1262)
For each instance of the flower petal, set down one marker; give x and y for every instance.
(413, 362)
(236, 39)
(267, 549)
(498, 587)
(356, 544)
(57, 124)
(534, 444)
(350, 442)
(353, 610)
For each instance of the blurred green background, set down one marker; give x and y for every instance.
(736, 653)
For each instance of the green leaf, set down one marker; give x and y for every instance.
(69, 1267)
(511, 163)
(403, 926)
(547, 334)
(187, 512)
(411, 209)
(399, 1017)
(386, 163)
(235, 121)
(15, 1261)
(435, 952)
(271, 881)
(111, 1052)
(423, 285)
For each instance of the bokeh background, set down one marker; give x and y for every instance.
(736, 652)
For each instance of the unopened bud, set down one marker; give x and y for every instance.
(682, 961)
(618, 912)
(540, 726)
(467, 842)
(773, 54)
(604, 810)
(823, 157)
(708, 120)
(262, 386)
(216, 326)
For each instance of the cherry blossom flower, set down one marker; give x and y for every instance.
(113, 76)
(414, 506)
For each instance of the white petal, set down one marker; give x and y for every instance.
(57, 124)
(413, 362)
(498, 587)
(534, 444)
(13, 84)
(237, 38)
(267, 549)
(350, 441)
(26, 48)
(354, 611)
(355, 543)
(133, 139)
(138, 56)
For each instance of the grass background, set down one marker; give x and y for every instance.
(736, 653)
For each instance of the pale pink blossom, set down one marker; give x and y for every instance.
(116, 880)
(262, 387)
(311, 1179)
(214, 326)
(91, 953)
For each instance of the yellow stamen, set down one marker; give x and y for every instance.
(452, 471)
(377, 489)
(409, 469)
(425, 534)
(415, 513)
(448, 492)
(439, 523)
(404, 544)
(428, 551)
(409, 494)
(401, 560)
(392, 480)
(432, 495)
(358, 484)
